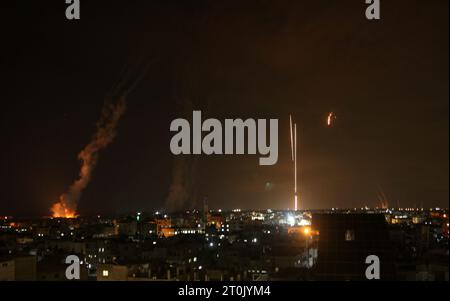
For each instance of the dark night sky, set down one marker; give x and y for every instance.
(386, 80)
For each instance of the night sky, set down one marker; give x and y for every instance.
(386, 81)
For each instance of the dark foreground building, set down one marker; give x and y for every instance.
(346, 240)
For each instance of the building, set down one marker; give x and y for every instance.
(54, 269)
(25, 268)
(7, 267)
(18, 268)
(112, 272)
(346, 240)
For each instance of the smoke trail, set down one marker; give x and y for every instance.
(104, 135)
(179, 188)
(383, 201)
(183, 190)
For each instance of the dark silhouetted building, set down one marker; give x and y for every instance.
(345, 241)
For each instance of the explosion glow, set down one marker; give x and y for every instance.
(307, 230)
(60, 210)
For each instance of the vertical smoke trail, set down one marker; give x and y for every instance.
(179, 190)
(382, 198)
(182, 190)
(183, 178)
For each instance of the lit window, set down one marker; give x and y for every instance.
(349, 235)
(105, 273)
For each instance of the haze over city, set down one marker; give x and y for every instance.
(385, 83)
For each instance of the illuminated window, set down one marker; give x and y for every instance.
(105, 273)
(349, 235)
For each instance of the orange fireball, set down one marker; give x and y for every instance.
(60, 210)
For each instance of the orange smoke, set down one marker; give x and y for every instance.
(68, 202)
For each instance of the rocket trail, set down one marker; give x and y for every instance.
(295, 169)
(292, 145)
(293, 133)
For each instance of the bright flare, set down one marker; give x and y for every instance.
(331, 118)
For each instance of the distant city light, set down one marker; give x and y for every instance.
(307, 230)
(304, 222)
(290, 220)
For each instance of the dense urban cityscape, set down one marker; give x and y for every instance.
(230, 245)
(143, 143)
